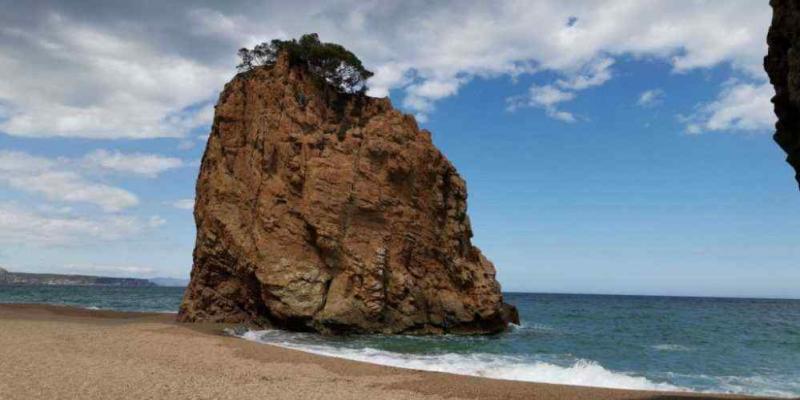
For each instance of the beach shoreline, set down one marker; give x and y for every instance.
(55, 352)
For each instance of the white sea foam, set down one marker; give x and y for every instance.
(95, 308)
(536, 327)
(581, 372)
(670, 347)
(773, 385)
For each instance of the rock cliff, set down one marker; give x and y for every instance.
(782, 64)
(323, 211)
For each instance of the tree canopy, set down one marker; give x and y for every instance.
(328, 61)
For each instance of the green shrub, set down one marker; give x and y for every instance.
(328, 61)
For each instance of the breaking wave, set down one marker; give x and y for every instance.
(580, 372)
(670, 347)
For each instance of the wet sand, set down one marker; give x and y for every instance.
(52, 352)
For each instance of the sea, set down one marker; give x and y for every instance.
(714, 345)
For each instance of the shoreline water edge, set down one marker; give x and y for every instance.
(69, 329)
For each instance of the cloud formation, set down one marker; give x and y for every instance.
(72, 180)
(650, 98)
(549, 96)
(546, 97)
(739, 107)
(22, 226)
(74, 78)
(44, 176)
(184, 204)
(149, 165)
(125, 70)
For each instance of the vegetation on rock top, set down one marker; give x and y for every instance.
(330, 62)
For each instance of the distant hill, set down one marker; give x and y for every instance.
(24, 278)
(171, 282)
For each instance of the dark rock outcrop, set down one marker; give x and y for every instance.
(782, 64)
(331, 212)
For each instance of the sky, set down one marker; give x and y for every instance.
(608, 147)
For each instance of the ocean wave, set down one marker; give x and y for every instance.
(142, 310)
(670, 347)
(772, 385)
(580, 372)
(534, 327)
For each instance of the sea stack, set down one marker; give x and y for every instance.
(782, 64)
(320, 210)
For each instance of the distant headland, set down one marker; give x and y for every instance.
(24, 278)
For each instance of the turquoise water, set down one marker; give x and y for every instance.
(747, 346)
(149, 299)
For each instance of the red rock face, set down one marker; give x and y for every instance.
(782, 64)
(334, 213)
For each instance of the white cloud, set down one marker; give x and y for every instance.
(118, 77)
(149, 165)
(71, 187)
(563, 116)
(388, 76)
(420, 97)
(739, 107)
(508, 38)
(19, 162)
(21, 226)
(43, 176)
(184, 204)
(69, 180)
(107, 84)
(546, 97)
(650, 98)
(595, 73)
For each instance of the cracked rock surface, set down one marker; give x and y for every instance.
(328, 212)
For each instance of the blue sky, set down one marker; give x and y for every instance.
(627, 202)
(600, 156)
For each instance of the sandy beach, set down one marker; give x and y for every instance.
(51, 352)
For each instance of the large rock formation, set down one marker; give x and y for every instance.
(783, 67)
(331, 212)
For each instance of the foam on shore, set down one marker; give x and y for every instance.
(580, 373)
(555, 370)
